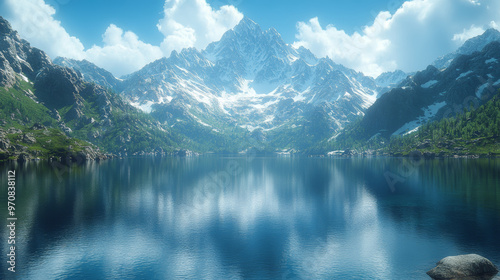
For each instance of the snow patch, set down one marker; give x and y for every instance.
(292, 58)
(464, 74)
(20, 59)
(429, 84)
(145, 107)
(24, 77)
(269, 119)
(250, 128)
(301, 96)
(429, 112)
(166, 99)
(200, 121)
(336, 153)
(491, 60)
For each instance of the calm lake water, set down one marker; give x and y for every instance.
(250, 218)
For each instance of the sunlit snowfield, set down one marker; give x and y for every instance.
(251, 217)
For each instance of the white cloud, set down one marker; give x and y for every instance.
(493, 24)
(356, 51)
(187, 23)
(410, 39)
(123, 52)
(193, 23)
(471, 32)
(33, 19)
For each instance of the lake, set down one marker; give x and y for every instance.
(221, 217)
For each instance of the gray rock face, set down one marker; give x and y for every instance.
(432, 94)
(17, 56)
(28, 138)
(470, 266)
(7, 76)
(90, 72)
(57, 86)
(470, 46)
(252, 79)
(388, 80)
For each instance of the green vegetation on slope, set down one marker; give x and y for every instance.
(26, 127)
(475, 131)
(41, 142)
(18, 109)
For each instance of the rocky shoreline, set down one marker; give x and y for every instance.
(39, 142)
(416, 153)
(21, 154)
(89, 154)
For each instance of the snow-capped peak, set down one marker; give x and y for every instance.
(470, 46)
(247, 24)
(252, 78)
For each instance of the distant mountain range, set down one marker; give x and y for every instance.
(249, 90)
(90, 72)
(389, 80)
(251, 79)
(470, 46)
(468, 80)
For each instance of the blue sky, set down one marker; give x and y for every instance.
(371, 36)
(89, 19)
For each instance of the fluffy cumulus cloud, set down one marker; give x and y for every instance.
(194, 23)
(123, 52)
(410, 39)
(468, 33)
(186, 23)
(33, 19)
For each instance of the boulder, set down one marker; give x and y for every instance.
(23, 157)
(425, 144)
(470, 266)
(38, 126)
(28, 138)
(185, 153)
(13, 130)
(4, 143)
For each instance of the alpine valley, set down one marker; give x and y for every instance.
(249, 83)
(248, 91)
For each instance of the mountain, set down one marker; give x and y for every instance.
(252, 82)
(249, 90)
(47, 110)
(471, 133)
(90, 72)
(471, 45)
(28, 128)
(17, 57)
(432, 94)
(388, 80)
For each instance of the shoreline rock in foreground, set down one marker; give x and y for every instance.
(471, 266)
